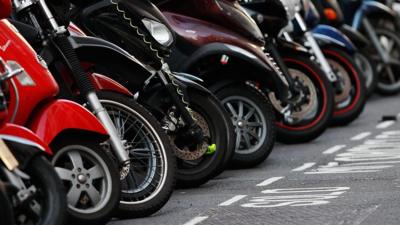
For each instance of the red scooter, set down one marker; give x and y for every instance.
(90, 175)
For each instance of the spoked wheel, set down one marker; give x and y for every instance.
(312, 109)
(350, 102)
(151, 178)
(252, 117)
(90, 177)
(45, 201)
(388, 75)
(367, 67)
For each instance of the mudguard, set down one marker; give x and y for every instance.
(291, 46)
(105, 83)
(15, 133)
(280, 82)
(325, 34)
(59, 116)
(112, 60)
(372, 9)
(359, 40)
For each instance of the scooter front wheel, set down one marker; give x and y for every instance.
(312, 111)
(350, 102)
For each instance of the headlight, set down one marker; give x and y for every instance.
(159, 31)
(291, 6)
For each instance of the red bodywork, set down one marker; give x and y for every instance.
(5, 8)
(33, 103)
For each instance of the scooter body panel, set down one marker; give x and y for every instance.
(59, 116)
(331, 35)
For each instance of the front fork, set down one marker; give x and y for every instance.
(319, 55)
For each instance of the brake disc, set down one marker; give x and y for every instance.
(185, 153)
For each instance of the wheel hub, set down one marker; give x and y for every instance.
(82, 178)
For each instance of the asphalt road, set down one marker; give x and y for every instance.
(350, 175)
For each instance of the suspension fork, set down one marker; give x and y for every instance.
(316, 49)
(375, 40)
(273, 51)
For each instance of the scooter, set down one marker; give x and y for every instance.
(314, 103)
(198, 126)
(148, 177)
(332, 14)
(380, 24)
(34, 191)
(331, 50)
(90, 176)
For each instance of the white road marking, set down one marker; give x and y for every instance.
(196, 220)
(333, 149)
(233, 200)
(360, 136)
(385, 124)
(268, 181)
(304, 167)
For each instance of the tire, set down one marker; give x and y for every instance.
(6, 211)
(318, 112)
(249, 154)
(216, 124)
(152, 196)
(367, 67)
(386, 86)
(349, 71)
(105, 179)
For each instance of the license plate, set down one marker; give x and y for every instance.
(7, 157)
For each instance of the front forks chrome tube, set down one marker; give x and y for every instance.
(105, 119)
(312, 43)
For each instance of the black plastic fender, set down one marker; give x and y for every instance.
(359, 40)
(291, 47)
(186, 63)
(112, 60)
(373, 9)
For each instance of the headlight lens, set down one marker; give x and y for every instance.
(159, 31)
(291, 6)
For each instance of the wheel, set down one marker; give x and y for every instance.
(388, 76)
(253, 120)
(151, 180)
(90, 177)
(367, 67)
(6, 211)
(45, 203)
(198, 164)
(350, 102)
(313, 109)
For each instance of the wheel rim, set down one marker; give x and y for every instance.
(388, 78)
(149, 166)
(249, 122)
(307, 111)
(86, 177)
(345, 98)
(365, 66)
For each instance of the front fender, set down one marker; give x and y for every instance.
(111, 60)
(15, 133)
(60, 116)
(359, 40)
(291, 47)
(325, 34)
(188, 81)
(372, 9)
(105, 83)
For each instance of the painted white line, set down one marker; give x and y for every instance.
(304, 167)
(268, 181)
(233, 200)
(196, 220)
(333, 149)
(385, 124)
(360, 136)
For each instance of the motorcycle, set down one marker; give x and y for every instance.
(334, 59)
(89, 175)
(380, 24)
(332, 14)
(31, 190)
(313, 104)
(147, 165)
(197, 124)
